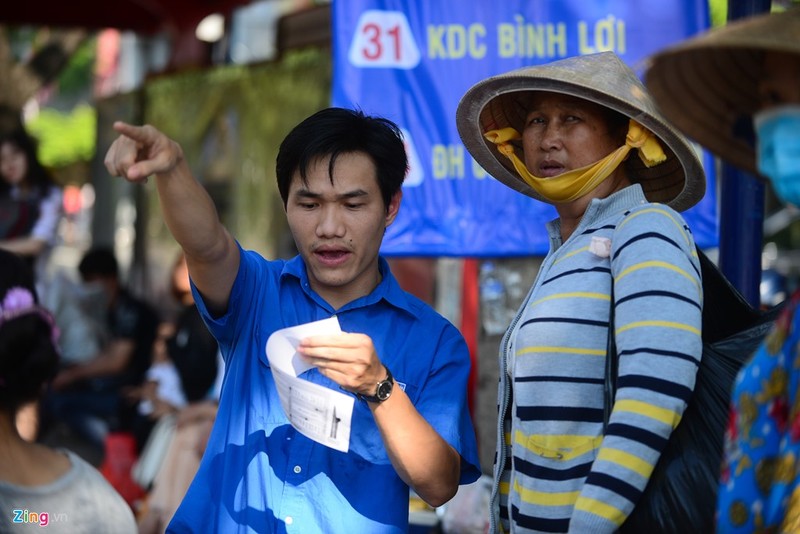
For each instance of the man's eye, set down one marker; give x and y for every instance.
(353, 205)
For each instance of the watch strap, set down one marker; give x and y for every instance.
(375, 398)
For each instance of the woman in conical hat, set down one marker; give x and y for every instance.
(736, 90)
(583, 135)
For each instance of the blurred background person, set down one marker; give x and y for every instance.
(181, 459)
(56, 488)
(30, 211)
(185, 360)
(753, 123)
(30, 201)
(89, 396)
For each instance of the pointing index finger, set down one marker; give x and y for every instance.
(140, 134)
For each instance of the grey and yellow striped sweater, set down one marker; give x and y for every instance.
(555, 471)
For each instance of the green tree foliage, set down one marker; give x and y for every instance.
(78, 76)
(65, 138)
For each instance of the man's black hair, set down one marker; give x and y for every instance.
(335, 131)
(99, 261)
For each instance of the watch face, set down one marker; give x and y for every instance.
(384, 390)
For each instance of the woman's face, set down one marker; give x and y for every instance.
(13, 163)
(780, 81)
(563, 133)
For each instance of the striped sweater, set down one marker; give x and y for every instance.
(554, 470)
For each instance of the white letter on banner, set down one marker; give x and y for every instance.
(436, 47)
(607, 35)
(557, 36)
(383, 39)
(415, 173)
(454, 41)
(506, 47)
(583, 46)
(447, 161)
(477, 49)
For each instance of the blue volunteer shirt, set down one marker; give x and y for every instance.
(258, 474)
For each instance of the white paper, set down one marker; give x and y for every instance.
(320, 413)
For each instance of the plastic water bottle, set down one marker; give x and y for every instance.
(493, 300)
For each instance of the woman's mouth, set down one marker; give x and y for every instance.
(550, 169)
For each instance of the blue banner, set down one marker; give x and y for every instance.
(412, 60)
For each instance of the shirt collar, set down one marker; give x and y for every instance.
(600, 208)
(388, 289)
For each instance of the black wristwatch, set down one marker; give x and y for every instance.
(382, 391)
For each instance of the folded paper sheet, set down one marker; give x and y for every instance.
(319, 413)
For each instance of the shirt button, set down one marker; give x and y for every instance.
(288, 520)
(297, 469)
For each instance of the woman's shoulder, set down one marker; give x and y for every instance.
(652, 217)
(655, 208)
(89, 477)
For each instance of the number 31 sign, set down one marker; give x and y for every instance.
(384, 39)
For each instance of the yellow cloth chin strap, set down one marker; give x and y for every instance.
(573, 184)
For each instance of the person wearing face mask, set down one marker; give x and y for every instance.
(583, 135)
(89, 396)
(749, 72)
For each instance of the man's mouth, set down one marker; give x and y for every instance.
(331, 257)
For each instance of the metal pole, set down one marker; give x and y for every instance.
(742, 204)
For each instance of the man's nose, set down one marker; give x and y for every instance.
(330, 222)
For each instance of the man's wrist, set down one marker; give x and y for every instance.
(383, 389)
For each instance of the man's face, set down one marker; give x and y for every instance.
(338, 227)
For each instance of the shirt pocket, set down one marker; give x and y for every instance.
(562, 448)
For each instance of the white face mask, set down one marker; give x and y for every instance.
(778, 150)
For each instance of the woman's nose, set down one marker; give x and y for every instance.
(551, 137)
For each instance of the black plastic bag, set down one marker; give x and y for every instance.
(681, 495)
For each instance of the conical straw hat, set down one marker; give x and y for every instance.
(708, 85)
(603, 78)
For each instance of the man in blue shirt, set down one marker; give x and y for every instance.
(340, 175)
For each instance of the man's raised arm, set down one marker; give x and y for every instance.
(212, 255)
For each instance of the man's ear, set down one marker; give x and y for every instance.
(394, 207)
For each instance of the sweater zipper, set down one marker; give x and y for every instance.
(501, 453)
